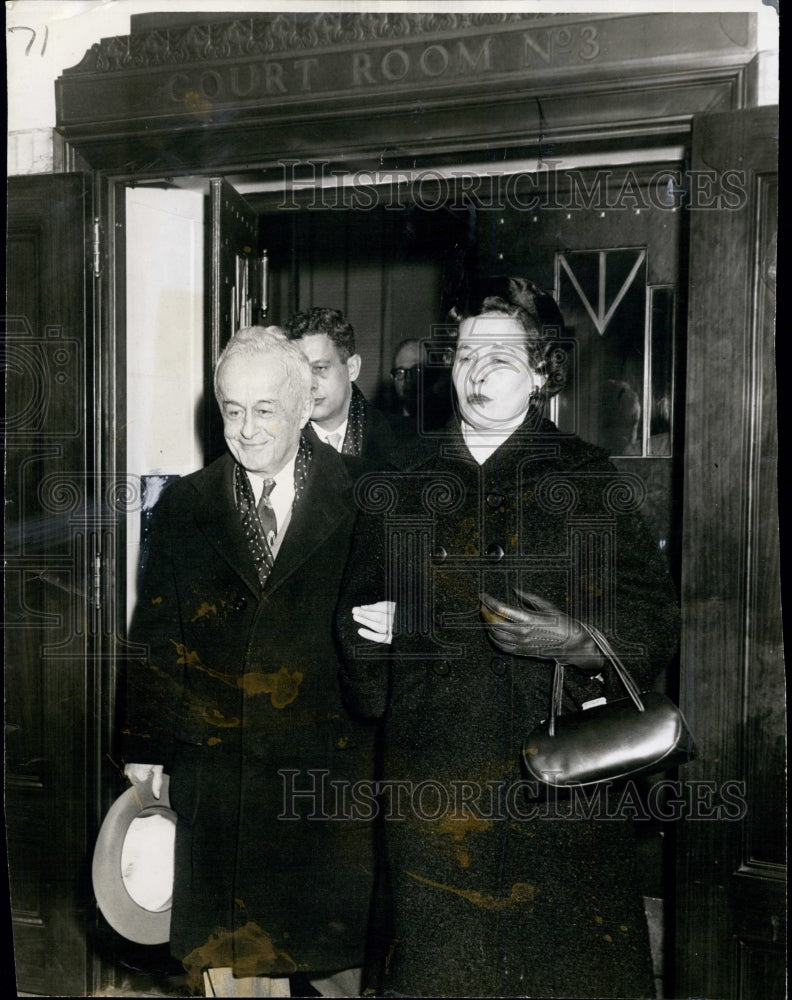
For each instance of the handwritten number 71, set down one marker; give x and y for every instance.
(33, 38)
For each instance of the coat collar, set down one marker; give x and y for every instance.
(536, 436)
(325, 503)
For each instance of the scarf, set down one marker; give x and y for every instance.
(246, 505)
(353, 439)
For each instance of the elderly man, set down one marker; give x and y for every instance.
(341, 416)
(238, 698)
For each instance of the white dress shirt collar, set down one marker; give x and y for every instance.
(282, 496)
(323, 434)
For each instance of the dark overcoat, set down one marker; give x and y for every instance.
(238, 697)
(496, 889)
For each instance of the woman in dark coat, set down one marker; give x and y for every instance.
(495, 890)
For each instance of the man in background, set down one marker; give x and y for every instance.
(404, 376)
(422, 390)
(341, 415)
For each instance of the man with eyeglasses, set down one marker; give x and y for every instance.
(406, 366)
(423, 393)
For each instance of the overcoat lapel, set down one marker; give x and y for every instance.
(325, 503)
(217, 517)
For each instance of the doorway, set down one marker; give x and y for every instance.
(395, 268)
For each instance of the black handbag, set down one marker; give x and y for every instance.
(641, 734)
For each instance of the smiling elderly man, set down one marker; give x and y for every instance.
(238, 696)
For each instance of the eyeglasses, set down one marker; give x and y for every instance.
(400, 374)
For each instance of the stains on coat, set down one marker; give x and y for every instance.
(520, 894)
(461, 828)
(232, 845)
(248, 950)
(205, 609)
(599, 921)
(174, 694)
(186, 657)
(283, 686)
(216, 718)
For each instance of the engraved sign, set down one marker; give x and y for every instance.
(565, 45)
(407, 65)
(205, 71)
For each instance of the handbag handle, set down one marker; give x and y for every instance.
(621, 671)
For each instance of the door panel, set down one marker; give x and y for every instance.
(610, 243)
(731, 874)
(163, 230)
(237, 278)
(49, 548)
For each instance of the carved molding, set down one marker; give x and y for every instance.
(265, 34)
(189, 95)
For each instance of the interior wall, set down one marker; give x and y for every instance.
(384, 270)
(165, 342)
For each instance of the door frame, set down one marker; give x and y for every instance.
(387, 133)
(731, 907)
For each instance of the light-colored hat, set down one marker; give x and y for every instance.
(133, 861)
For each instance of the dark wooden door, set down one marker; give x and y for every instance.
(237, 281)
(50, 617)
(611, 242)
(731, 871)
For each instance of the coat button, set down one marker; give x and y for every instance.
(441, 667)
(440, 553)
(498, 666)
(494, 500)
(240, 604)
(495, 552)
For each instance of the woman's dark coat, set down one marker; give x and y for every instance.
(488, 901)
(237, 686)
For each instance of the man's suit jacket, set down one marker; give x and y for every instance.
(238, 696)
